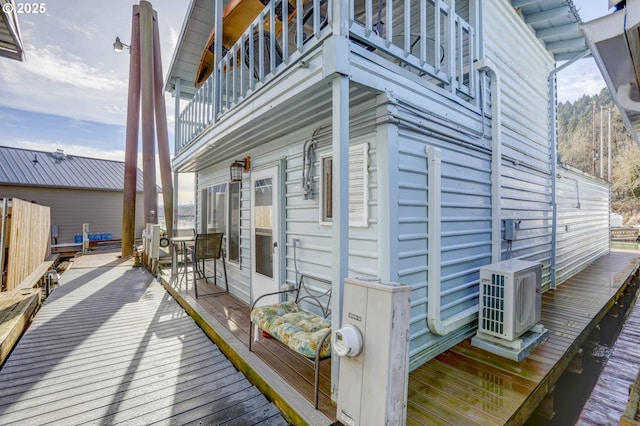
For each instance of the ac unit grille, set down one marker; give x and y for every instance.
(509, 298)
(493, 304)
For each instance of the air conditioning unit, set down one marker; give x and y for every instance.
(510, 297)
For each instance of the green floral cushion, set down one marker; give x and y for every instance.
(300, 330)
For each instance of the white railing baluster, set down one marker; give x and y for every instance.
(299, 28)
(407, 28)
(261, 49)
(389, 23)
(423, 32)
(316, 18)
(460, 50)
(285, 31)
(272, 35)
(368, 17)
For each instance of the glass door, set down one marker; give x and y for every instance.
(264, 234)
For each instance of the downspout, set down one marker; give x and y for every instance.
(554, 161)
(488, 66)
(434, 318)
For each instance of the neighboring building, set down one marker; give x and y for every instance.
(11, 45)
(437, 118)
(77, 189)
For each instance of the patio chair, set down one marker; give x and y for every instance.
(208, 247)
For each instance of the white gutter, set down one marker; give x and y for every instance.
(624, 98)
(434, 314)
(490, 68)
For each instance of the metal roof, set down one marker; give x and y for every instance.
(10, 38)
(58, 170)
(556, 23)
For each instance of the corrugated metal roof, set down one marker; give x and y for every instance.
(59, 170)
(10, 38)
(556, 23)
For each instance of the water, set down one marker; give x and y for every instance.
(572, 390)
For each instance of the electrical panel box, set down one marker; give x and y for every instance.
(374, 369)
(510, 298)
(511, 229)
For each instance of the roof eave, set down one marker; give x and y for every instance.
(608, 39)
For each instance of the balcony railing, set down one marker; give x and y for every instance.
(426, 37)
(269, 45)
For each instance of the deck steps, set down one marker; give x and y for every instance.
(16, 311)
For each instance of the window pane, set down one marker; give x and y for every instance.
(234, 222)
(263, 223)
(218, 202)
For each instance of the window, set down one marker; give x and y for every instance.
(358, 187)
(234, 222)
(223, 215)
(217, 208)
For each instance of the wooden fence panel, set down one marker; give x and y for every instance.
(29, 240)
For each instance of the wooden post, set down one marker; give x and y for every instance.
(131, 149)
(148, 134)
(163, 135)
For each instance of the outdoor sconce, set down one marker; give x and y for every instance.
(119, 46)
(238, 167)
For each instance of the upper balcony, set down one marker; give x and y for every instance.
(432, 39)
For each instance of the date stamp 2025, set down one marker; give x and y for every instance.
(29, 8)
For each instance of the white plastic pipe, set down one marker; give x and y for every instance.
(488, 66)
(434, 315)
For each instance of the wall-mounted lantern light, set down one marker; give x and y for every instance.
(239, 167)
(119, 46)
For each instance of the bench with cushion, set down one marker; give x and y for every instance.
(304, 332)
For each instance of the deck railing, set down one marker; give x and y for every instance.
(256, 57)
(426, 37)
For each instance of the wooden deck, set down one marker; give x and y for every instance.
(464, 385)
(283, 376)
(469, 386)
(606, 404)
(111, 346)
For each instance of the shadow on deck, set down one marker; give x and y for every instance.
(463, 385)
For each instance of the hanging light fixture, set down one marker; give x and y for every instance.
(238, 167)
(119, 46)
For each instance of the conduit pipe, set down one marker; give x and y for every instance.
(434, 315)
(490, 68)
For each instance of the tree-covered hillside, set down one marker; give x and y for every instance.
(579, 136)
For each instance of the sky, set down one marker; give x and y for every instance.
(71, 91)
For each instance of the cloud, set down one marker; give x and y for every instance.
(581, 78)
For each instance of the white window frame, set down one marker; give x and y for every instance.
(227, 213)
(358, 186)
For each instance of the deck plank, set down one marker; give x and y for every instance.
(111, 346)
(507, 392)
(607, 401)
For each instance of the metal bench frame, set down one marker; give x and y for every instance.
(321, 299)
